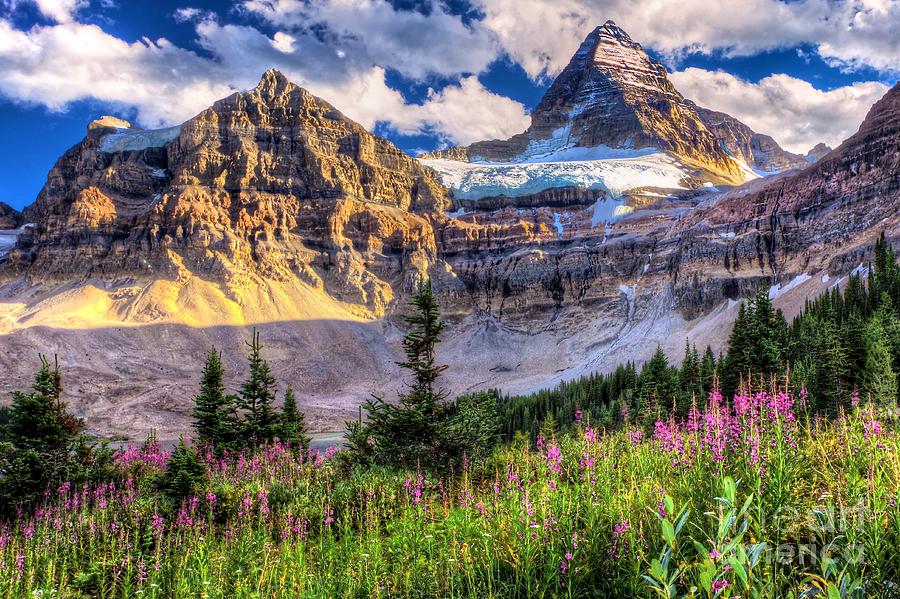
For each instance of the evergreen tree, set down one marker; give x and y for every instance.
(475, 424)
(293, 423)
(414, 432)
(656, 389)
(257, 397)
(830, 390)
(185, 473)
(707, 373)
(42, 440)
(879, 375)
(690, 379)
(214, 411)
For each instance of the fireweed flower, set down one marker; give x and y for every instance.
(636, 437)
(619, 543)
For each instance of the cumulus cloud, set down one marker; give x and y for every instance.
(56, 64)
(847, 33)
(409, 41)
(341, 50)
(467, 113)
(791, 110)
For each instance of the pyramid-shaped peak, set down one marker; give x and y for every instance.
(273, 78)
(612, 30)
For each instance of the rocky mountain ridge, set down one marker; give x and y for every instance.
(271, 209)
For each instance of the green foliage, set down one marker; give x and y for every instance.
(185, 473)
(42, 444)
(292, 423)
(421, 430)
(257, 398)
(214, 413)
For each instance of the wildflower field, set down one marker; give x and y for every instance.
(752, 497)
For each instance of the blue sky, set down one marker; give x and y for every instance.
(423, 73)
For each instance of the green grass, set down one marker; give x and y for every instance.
(680, 515)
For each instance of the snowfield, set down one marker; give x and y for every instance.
(135, 140)
(615, 176)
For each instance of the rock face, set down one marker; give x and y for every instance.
(271, 209)
(612, 93)
(759, 152)
(824, 218)
(817, 152)
(10, 218)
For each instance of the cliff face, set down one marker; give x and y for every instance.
(10, 218)
(758, 151)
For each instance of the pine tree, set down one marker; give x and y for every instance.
(185, 473)
(214, 417)
(830, 389)
(690, 376)
(293, 423)
(879, 376)
(257, 397)
(656, 389)
(707, 372)
(414, 432)
(43, 438)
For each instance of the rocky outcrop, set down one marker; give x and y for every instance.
(824, 218)
(759, 152)
(817, 152)
(10, 218)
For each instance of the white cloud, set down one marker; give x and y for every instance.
(466, 113)
(791, 110)
(411, 42)
(543, 35)
(55, 65)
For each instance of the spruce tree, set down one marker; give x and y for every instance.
(293, 423)
(656, 389)
(214, 418)
(257, 397)
(43, 438)
(413, 432)
(879, 375)
(830, 390)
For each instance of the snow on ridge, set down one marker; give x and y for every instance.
(777, 290)
(134, 140)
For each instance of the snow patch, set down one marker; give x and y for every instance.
(159, 173)
(777, 290)
(560, 147)
(825, 278)
(728, 235)
(134, 140)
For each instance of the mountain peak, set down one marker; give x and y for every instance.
(273, 83)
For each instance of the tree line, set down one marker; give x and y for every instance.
(842, 348)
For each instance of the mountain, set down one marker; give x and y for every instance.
(612, 94)
(10, 218)
(817, 152)
(272, 210)
(759, 152)
(825, 217)
(269, 165)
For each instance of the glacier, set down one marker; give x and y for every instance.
(614, 176)
(135, 140)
